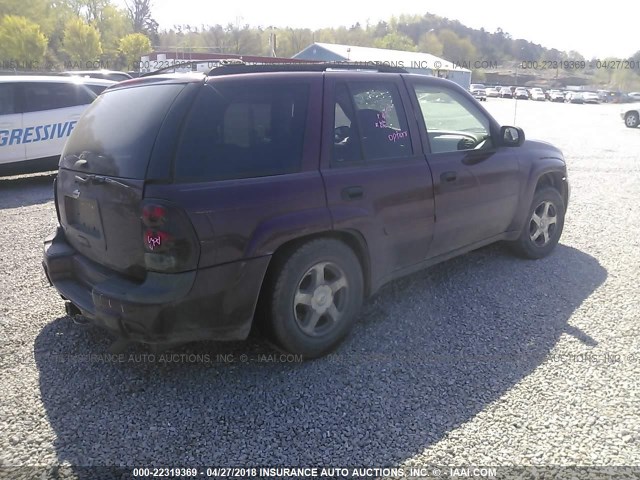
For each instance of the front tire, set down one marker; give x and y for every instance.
(315, 298)
(543, 226)
(631, 119)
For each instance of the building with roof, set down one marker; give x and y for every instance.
(414, 62)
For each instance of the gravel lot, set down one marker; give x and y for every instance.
(484, 360)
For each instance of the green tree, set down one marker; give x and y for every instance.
(21, 40)
(244, 40)
(624, 80)
(90, 10)
(456, 49)
(395, 41)
(114, 25)
(133, 46)
(37, 11)
(576, 56)
(429, 43)
(81, 42)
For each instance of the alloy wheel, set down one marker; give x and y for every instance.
(320, 300)
(543, 223)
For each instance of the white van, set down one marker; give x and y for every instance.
(37, 114)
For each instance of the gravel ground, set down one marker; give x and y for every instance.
(484, 360)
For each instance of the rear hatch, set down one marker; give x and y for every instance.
(100, 183)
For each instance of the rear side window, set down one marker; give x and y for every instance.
(116, 134)
(50, 96)
(370, 123)
(7, 99)
(243, 131)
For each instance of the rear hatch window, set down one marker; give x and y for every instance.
(116, 134)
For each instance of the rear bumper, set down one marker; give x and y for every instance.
(215, 303)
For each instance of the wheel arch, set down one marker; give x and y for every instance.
(352, 238)
(554, 179)
(551, 173)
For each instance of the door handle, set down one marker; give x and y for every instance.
(352, 193)
(449, 177)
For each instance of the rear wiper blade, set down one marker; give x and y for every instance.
(98, 179)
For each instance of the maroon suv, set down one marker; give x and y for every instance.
(190, 205)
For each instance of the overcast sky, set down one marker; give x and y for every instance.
(608, 29)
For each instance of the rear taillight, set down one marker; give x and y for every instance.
(170, 243)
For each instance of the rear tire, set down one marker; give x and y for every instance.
(315, 297)
(543, 225)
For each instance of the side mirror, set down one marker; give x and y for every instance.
(511, 136)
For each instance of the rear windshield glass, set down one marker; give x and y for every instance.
(117, 132)
(244, 131)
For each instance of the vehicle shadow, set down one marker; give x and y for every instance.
(26, 190)
(429, 353)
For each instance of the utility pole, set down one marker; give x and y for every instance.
(272, 43)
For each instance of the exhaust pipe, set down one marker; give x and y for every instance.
(75, 314)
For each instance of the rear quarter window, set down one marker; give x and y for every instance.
(116, 134)
(243, 131)
(8, 99)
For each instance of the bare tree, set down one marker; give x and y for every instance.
(143, 22)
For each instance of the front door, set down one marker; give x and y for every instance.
(477, 183)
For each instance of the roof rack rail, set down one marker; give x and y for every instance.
(191, 63)
(236, 68)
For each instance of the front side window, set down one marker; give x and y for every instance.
(370, 123)
(453, 122)
(244, 131)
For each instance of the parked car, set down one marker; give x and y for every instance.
(113, 75)
(574, 97)
(631, 116)
(492, 92)
(192, 205)
(556, 96)
(604, 96)
(37, 114)
(634, 95)
(521, 93)
(505, 92)
(478, 91)
(590, 97)
(537, 94)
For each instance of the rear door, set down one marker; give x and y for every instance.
(476, 183)
(376, 177)
(11, 147)
(102, 174)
